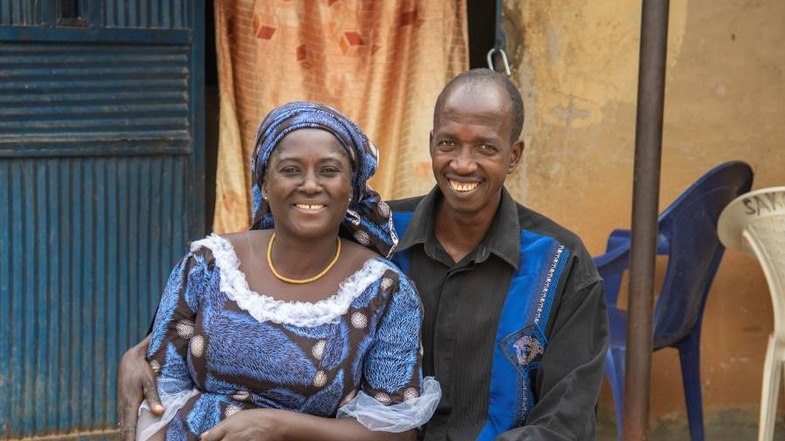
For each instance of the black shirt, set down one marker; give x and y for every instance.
(463, 301)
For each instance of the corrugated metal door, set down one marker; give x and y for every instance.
(101, 186)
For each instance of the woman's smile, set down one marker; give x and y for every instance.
(311, 208)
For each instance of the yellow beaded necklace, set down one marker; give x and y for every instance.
(299, 281)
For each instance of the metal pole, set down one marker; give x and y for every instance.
(646, 192)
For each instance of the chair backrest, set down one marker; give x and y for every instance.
(688, 229)
(755, 223)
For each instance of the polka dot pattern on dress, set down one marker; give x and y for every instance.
(197, 346)
(241, 395)
(231, 410)
(318, 349)
(359, 320)
(348, 397)
(320, 379)
(185, 329)
(383, 398)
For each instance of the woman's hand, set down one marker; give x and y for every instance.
(135, 382)
(250, 425)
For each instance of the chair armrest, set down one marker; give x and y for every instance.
(611, 266)
(616, 261)
(618, 238)
(663, 244)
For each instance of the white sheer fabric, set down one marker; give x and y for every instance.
(265, 308)
(149, 423)
(400, 417)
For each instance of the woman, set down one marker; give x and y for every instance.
(300, 318)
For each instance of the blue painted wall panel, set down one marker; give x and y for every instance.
(54, 93)
(101, 169)
(84, 251)
(144, 14)
(166, 14)
(16, 12)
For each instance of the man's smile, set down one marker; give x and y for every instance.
(463, 187)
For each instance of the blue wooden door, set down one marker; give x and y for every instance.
(101, 187)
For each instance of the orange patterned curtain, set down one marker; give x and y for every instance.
(382, 63)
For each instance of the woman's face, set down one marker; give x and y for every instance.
(308, 184)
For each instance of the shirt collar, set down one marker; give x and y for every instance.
(421, 225)
(502, 238)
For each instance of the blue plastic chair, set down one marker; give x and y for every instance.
(687, 234)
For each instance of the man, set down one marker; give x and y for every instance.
(515, 326)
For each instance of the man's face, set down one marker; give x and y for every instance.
(471, 149)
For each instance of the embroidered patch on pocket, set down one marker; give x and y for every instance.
(524, 347)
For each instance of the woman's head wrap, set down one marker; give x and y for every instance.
(368, 220)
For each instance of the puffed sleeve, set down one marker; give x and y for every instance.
(394, 396)
(171, 334)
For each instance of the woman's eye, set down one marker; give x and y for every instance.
(289, 170)
(330, 171)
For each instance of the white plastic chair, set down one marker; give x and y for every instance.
(755, 223)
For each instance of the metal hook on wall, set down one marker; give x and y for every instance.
(500, 43)
(503, 55)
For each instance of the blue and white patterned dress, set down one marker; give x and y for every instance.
(218, 348)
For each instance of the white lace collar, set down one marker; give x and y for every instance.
(265, 308)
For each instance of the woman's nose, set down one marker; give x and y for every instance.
(310, 183)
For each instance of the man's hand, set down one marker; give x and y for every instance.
(250, 425)
(135, 382)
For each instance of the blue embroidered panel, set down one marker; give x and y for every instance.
(520, 335)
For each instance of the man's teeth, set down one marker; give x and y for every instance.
(309, 206)
(463, 186)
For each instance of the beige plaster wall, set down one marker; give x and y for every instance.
(576, 62)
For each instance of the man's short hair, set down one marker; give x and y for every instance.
(475, 77)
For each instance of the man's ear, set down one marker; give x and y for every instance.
(430, 141)
(515, 155)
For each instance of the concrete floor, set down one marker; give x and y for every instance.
(721, 426)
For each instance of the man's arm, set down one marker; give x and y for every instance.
(571, 371)
(135, 382)
(274, 425)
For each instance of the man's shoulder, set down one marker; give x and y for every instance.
(539, 224)
(542, 225)
(528, 219)
(405, 205)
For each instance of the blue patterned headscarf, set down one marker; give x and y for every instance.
(368, 219)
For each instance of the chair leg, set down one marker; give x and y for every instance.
(614, 370)
(689, 355)
(772, 375)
